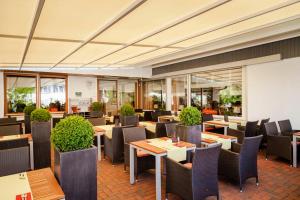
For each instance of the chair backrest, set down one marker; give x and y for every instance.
(271, 129)
(97, 121)
(134, 134)
(8, 120)
(148, 115)
(129, 120)
(166, 112)
(285, 125)
(160, 129)
(171, 129)
(155, 115)
(251, 129)
(96, 114)
(205, 172)
(9, 144)
(139, 110)
(10, 129)
(262, 129)
(207, 117)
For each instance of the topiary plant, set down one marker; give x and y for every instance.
(40, 115)
(97, 106)
(28, 109)
(72, 133)
(190, 116)
(127, 110)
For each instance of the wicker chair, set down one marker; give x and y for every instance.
(114, 146)
(171, 129)
(155, 115)
(129, 120)
(237, 133)
(277, 144)
(197, 180)
(148, 115)
(8, 120)
(142, 160)
(251, 129)
(11, 128)
(160, 129)
(240, 163)
(14, 156)
(97, 121)
(262, 131)
(286, 127)
(96, 114)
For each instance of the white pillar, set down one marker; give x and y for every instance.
(188, 79)
(244, 93)
(168, 93)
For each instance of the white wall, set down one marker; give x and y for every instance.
(1, 94)
(273, 90)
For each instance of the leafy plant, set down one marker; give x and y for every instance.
(97, 106)
(19, 97)
(40, 115)
(190, 116)
(28, 109)
(127, 110)
(72, 133)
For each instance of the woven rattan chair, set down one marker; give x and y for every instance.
(286, 127)
(11, 128)
(97, 121)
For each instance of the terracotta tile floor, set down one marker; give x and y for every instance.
(277, 181)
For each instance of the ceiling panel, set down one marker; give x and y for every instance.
(148, 17)
(215, 17)
(11, 50)
(154, 54)
(90, 52)
(16, 16)
(41, 51)
(76, 19)
(281, 14)
(124, 53)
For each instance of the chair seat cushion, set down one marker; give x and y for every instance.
(188, 165)
(141, 153)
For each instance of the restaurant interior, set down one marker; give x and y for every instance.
(149, 99)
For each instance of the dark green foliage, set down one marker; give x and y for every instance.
(72, 133)
(97, 106)
(190, 116)
(28, 109)
(127, 110)
(40, 115)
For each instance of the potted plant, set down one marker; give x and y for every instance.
(27, 112)
(96, 109)
(52, 107)
(190, 128)
(40, 130)
(58, 105)
(128, 116)
(75, 158)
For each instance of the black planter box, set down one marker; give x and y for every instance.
(190, 134)
(129, 120)
(41, 144)
(76, 172)
(27, 123)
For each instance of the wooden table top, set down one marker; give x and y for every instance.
(14, 137)
(297, 134)
(221, 136)
(144, 144)
(44, 185)
(216, 122)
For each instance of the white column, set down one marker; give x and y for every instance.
(188, 79)
(244, 93)
(168, 93)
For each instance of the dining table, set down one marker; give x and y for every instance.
(209, 139)
(219, 123)
(296, 136)
(158, 152)
(21, 136)
(99, 131)
(38, 185)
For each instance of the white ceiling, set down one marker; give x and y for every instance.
(48, 34)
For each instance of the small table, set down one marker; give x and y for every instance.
(217, 123)
(30, 142)
(211, 142)
(295, 137)
(158, 153)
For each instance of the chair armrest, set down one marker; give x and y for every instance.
(236, 147)
(279, 141)
(237, 133)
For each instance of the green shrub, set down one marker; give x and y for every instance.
(190, 116)
(72, 133)
(97, 106)
(127, 110)
(28, 109)
(40, 115)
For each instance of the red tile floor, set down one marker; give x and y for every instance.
(277, 181)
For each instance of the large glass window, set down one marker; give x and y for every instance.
(20, 92)
(179, 93)
(108, 95)
(53, 94)
(218, 92)
(154, 94)
(127, 94)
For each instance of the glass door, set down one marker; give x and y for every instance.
(108, 95)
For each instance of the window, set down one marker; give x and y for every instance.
(154, 94)
(127, 94)
(53, 94)
(179, 93)
(20, 92)
(108, 95)
(218, 92)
